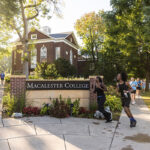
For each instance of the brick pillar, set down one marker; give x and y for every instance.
(17, 85)
(93, 96)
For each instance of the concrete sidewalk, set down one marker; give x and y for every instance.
(1, 95)
(138, 138)
(47, 133)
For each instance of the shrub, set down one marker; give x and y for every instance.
(76, 107)
(7, 88)
(31, 111)
(34, 77)
(64, 67)
(13, 104)
(93, 107)
(40, 70)
(59, 109)
(46, 71)
(82, 110)
(51, 71)
(111, 90)
(45, 110)
(114, 103)
(7, 79)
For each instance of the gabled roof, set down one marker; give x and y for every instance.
(61, 35)
(56, 38)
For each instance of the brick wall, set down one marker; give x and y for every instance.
(17, 85)
(17, 66)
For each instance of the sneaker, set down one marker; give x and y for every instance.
(108, 121)
(133, 102)
(133, 123)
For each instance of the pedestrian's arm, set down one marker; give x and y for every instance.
(130, 88)
(104, 87)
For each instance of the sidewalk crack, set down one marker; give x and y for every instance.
(113, 135)
(8, 144)
(64, 142)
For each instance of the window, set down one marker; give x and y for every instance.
(71, 57)
(57, 53)
(70, 39)
(75, 56)
(33, 59)
(43, 54)
(33, 36)
(66, 52)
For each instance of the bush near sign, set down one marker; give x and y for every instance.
(57, 85)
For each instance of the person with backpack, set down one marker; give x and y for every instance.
(124, 89)
(100, 88)
(134, 85)
(2, 78)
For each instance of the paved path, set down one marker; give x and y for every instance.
(47, 133)
(1, 95)
(126, 138)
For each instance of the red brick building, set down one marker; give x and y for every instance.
(47, 48)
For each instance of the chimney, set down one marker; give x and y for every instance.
(46, 30)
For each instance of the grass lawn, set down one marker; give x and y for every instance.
(146, 98)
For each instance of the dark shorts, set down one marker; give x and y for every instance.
(133, 92)
(125, 102)
(2, 79)
(138, 88)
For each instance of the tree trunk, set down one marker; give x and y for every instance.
(147, 72)
(147, 81)
(26, 52)
(25, 42)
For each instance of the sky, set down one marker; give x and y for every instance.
(73, 10)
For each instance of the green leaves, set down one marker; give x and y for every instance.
(127, 31)
(90, 29)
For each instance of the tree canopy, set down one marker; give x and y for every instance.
(17, 16)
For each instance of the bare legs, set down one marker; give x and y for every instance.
(133, 98)
(138, 93)
(128, 112)
(2, 82)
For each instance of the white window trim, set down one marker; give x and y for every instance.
(33, 36)
(71, 57)
(67, 53)
(40, 53)
(34, 57)
(56, 57)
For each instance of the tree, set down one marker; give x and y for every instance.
(130, 33)
(51, 71)
(64, 67)
(91, 29)
(17, 15)
(46, 71)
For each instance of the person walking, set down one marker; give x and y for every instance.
(124, 89)
(101, 98)
(2, 78)
(133, 84)
(143, 85)
(139, 87)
